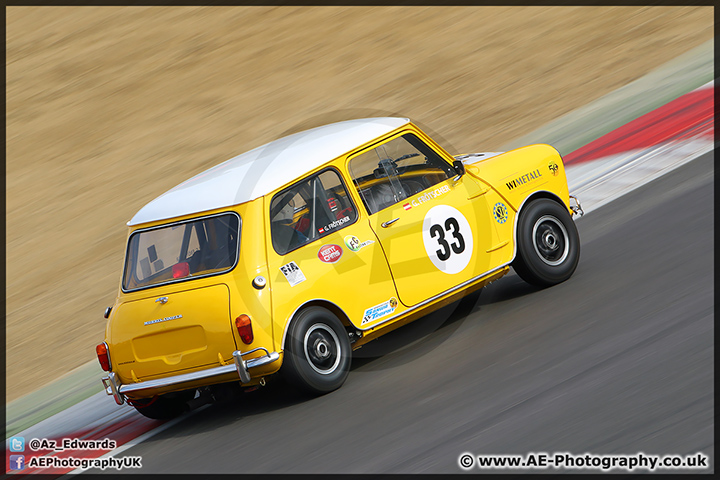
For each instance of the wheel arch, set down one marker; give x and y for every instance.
(317, 302)
(533, 196)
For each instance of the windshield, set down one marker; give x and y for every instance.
(182, 251)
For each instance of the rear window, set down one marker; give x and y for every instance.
(182, 251)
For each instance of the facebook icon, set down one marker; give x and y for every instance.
(17, 462)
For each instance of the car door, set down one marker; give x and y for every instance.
(434, 236)
(322, 248)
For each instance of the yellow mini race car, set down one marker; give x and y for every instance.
(292, 255)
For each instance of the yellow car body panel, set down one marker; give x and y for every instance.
(195, 328)
(407, 243)
(533, 168)
(375, 273)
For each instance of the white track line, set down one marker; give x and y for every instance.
(616, 175)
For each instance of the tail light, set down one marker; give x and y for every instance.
(244, 328)
(103, 356)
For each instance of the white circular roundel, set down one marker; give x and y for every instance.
(448, 238)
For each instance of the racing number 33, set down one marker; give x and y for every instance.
(451, 226)
(448, 238)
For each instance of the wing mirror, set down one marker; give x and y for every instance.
(459, 167)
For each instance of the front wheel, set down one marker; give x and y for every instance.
(317, 353)
(548, 244)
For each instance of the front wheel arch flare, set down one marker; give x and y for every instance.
(541, 194)
(527, 201)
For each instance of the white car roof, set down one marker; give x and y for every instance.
(260, 171)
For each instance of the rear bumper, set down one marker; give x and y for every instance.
(119, 390)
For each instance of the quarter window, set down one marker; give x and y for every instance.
(308, 210)
(396, 170)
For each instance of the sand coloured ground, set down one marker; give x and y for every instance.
(108, 107)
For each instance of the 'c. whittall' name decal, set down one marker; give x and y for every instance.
(535, 174)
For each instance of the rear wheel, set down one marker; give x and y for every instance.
(317, 352)
(548, 245)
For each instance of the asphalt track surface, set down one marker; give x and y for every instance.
(617, 360)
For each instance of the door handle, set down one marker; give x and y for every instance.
(389, 222)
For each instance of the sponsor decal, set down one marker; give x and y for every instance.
(292, 273)
(426, 197)
(151, 322)
(330, 253)
(333, 225)
(553, 167)
(354, 243)
(500, 212)
(379, 311)
(528, 177)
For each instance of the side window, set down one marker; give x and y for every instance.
(396, 170)
(308, 210)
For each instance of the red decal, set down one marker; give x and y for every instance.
(330, 253)
(407, 206)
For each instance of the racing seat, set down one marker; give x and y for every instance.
(285, 237)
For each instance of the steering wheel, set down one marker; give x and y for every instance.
(403, 169)
(412, 187)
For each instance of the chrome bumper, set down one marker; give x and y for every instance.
(118, 390)
(576, 209)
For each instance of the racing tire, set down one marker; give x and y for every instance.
(548, 244)
(317, 352)
(162, 407)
